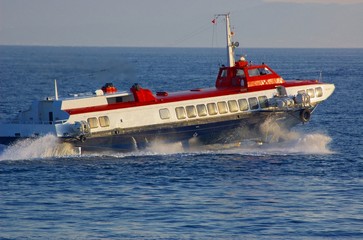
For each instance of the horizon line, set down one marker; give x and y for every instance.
(185, 47)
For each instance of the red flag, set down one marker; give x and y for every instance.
(214, 21)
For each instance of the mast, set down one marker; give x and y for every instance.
(230, 45)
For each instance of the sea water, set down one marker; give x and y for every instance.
(308, 187)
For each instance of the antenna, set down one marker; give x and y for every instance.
(55, 89)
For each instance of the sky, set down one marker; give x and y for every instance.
(186, 23)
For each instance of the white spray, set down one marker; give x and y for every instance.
(281, 142)
(43, 147)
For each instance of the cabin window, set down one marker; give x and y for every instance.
(302, 92)
(319, 92)
(224, 73)
(112, 100)
(202, 110)
(164, 113)
(258, 71)
(126, 98)
(281, 91)
(232, 105)
(263, 101)
(93, 122)
(212, 108)
(243, 105)
(264, 71)
(240, 73)
(222, 107)
(180, 113)
(253, 103)
(310, 92)
(104, 121)
(191, 111)
(253, 72)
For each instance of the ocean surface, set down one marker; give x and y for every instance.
(308, 187)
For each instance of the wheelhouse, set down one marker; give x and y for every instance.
(244, 75)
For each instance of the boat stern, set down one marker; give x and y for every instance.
(11, 132)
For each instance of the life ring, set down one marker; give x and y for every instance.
(305, 115)
(82, 138)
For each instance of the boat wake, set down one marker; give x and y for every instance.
(282, 142)
(293, 143)
(279, 140)
(307, 143)
(276, 140)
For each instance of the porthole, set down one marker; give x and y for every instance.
(180, 113)
(253, 103)
(243, 105)
(302, 92)
(222, 107)
(191, 111)
(232, 105)
(263, 101)
(212, 108)
(93, 122)
(104, 121)
(202, 110)
(319, 92)
(310, 92)
(164, 113)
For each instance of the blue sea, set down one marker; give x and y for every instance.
(308, 187)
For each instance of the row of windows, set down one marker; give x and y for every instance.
(231, 106)
(317, 93)
(202, 110)
(103, 121)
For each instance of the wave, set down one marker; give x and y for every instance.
(302, 143)
(289, 142)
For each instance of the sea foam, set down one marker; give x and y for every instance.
(290, 143)
(43, 147)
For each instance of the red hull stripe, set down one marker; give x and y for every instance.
(185, 95)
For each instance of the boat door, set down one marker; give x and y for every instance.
(50, 117)
(46, 112)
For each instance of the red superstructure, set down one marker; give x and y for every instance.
(239, 78)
